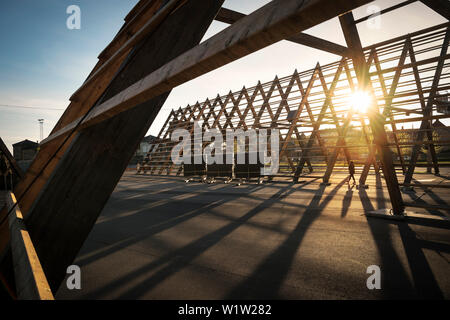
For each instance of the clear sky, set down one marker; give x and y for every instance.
(42, 62)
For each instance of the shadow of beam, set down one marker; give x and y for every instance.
(267, 279)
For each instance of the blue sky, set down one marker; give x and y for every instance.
(42, 62)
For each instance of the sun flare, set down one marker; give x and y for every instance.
(361, 101)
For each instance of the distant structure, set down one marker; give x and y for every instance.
(41, 129)
(145, 145)
(143, 149)
(25, 150)
(24, 153)
(443, 133)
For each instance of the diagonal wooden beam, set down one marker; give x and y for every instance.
(376, 119)
(275, 21)
(230, 16)
(98, 156)
(417, 79)
(333, 112)
(299, 110)
(319, 120)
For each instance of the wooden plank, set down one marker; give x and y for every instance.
(271, 23)
(30, 280)
(230, 16)
(136, 9)
(78, 188)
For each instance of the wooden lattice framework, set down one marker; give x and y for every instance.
(307, 105)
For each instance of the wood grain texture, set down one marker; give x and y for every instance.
(30, 280)
(273, 22)
(67, 208)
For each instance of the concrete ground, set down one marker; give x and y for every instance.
(159, 238)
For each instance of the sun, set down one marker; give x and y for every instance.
(360, 101)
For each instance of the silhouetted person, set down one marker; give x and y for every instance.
(351, 171)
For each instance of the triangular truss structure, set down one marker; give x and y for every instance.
(309, 105)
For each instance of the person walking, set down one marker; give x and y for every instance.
(351, 171)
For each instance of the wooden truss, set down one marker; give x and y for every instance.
(305, 106)
(80, 163)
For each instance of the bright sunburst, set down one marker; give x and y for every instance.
(361, 101)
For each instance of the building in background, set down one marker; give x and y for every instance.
(24, 153)
(143, 148)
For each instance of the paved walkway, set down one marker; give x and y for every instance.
(159, 238)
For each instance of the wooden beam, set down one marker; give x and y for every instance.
(230, 16)
(30, 280)
(122, 51)
(440, 6)
(318, 43)
(107, 66)
(271, 23)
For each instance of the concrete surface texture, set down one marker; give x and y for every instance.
(160, 238)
